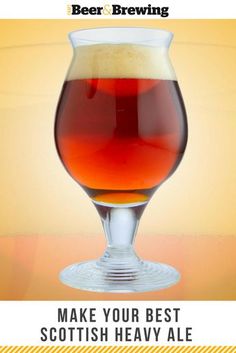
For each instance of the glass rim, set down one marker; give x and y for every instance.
(121, 35)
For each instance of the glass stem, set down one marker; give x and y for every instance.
(120, 225)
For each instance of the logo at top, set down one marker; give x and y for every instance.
(117, 10)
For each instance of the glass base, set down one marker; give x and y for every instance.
(103, 276)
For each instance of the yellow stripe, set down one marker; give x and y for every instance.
(117, 349)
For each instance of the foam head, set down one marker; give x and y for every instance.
(120, 61)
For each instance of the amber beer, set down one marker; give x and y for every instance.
(120, 136)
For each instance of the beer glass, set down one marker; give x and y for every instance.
(120, 131)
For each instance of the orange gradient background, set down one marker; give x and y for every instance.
(47, 222)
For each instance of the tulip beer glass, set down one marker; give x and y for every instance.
(120, 131)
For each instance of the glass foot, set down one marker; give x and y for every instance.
(101, 276)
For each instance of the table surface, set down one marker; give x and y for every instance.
(29, 266)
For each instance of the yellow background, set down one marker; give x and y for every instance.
(37, 195)
(40, 201)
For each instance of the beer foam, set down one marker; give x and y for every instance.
(120, 61)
